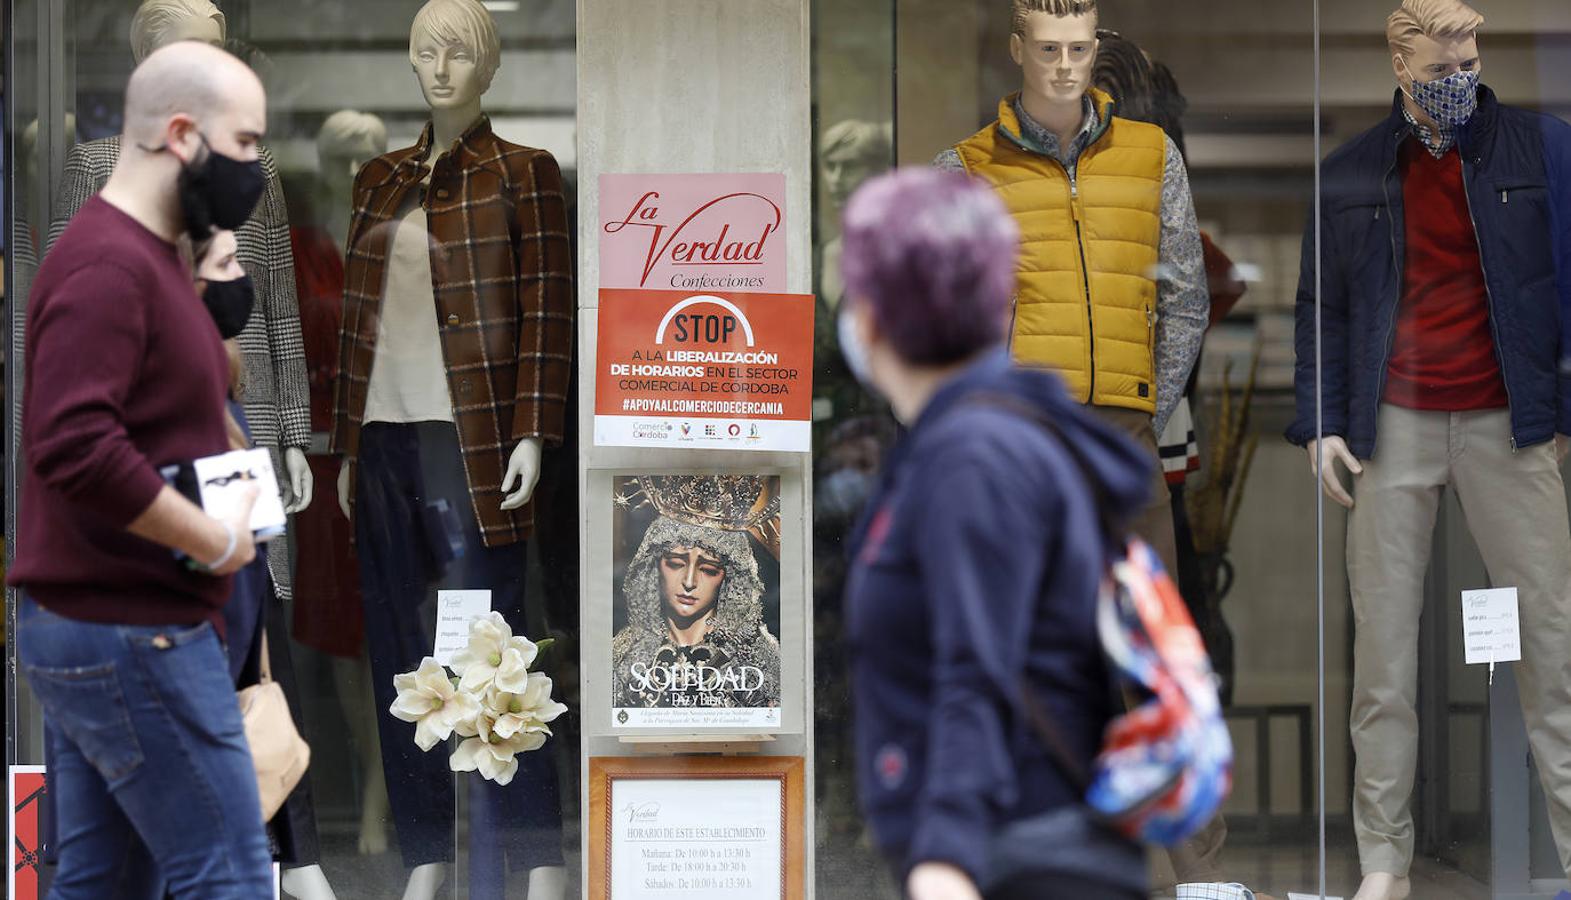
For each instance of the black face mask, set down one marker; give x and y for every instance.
(218, 192)
(229, 303)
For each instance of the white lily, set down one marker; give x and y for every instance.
(494, 655)
(492, 755)
(523, 712)
(428, 698)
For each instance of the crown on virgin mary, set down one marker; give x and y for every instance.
(725, 502)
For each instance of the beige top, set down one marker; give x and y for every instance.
(409, 375)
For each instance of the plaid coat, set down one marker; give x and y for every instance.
(501, 272)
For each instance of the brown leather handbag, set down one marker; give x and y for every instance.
(279, 754)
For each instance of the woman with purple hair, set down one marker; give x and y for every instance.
(973, 593)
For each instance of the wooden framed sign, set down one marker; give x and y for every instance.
(695, 828)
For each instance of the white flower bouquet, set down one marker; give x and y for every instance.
(491, 700)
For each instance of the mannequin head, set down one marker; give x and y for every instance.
(1054, 43)
(1144, 88)
(1123, 71)
(159, 23)
(852, 152)
(346, 141)
(1432, 40)
(455, 52)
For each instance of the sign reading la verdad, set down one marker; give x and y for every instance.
(693, 232)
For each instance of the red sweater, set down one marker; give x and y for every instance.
(125, 373)
(1443, 354)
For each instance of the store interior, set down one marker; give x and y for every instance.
(894, 83)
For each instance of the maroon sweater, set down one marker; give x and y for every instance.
(1443, 353)
(125, 373)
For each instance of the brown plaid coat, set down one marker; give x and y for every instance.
(501, 269)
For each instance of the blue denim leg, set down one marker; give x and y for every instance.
(151, 749)
(101, 854)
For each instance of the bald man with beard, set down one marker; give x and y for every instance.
(123, 581)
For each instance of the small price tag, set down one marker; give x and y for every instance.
(454, 611)
(1491, 630)
(1309, 897)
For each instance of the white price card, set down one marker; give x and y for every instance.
(454, 611)
(1292, 896)
(1490, 628)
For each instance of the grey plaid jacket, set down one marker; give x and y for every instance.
(277, 396)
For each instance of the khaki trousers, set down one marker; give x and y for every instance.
(1154, 525)
(1195, 860)
(1515, 504)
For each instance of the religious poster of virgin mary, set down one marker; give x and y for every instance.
(696, 607)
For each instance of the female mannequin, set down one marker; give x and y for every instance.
(453, 370)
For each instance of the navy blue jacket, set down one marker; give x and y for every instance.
(977, 566)
(1517, 169)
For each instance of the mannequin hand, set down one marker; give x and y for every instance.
(523, 470)
(1335, 449)
(343, 487)
(940, 881)
(1562, 447)
(298, 487)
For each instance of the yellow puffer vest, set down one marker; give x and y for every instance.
(1086, 305)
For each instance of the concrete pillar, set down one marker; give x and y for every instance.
(692, 86)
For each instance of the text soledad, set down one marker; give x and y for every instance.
(688, 677)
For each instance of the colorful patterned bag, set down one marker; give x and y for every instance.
(1166, 764)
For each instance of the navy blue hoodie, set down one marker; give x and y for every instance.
(975, 569)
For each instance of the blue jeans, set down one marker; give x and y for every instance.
(156, 791)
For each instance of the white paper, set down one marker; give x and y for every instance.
(222, 479)
(1292, 896)
(1490, 629)
(454, 611)
(696, 839)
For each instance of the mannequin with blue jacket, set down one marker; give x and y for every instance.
(1441, 289)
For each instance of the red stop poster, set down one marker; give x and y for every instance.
(705, 370)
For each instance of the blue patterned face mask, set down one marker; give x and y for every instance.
(1450, 101)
